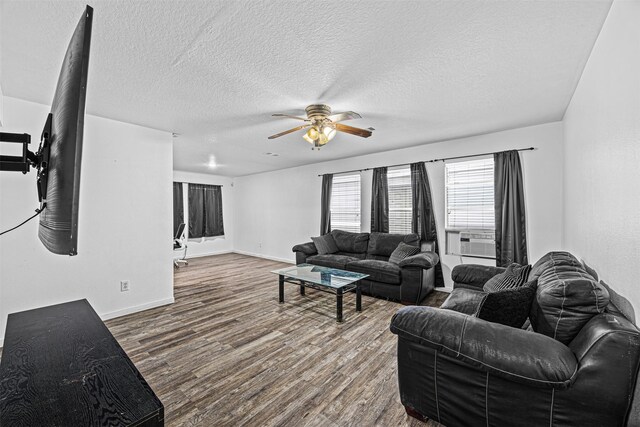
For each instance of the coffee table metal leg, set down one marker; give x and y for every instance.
(281, 288)
(339, 305)
(302, 288)
(358, 298)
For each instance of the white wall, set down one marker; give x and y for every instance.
(602, 155)
(210, 245)
(125, 222)
(1, 95)
(277, 210)
(1, 100)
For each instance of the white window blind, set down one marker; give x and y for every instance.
(469, 195)
(345, 203)
(400, 203)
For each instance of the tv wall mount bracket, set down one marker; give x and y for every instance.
(28, 159)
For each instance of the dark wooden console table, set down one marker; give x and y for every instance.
(62, 367)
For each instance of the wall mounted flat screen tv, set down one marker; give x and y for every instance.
(59, 220)
(59, 157)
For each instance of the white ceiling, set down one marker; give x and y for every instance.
(215, 71)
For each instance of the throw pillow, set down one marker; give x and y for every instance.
(402, 251)
(509, 306)
(325, 244)
(514, 276)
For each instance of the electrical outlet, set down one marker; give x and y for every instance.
(124, 285)
(260, 245)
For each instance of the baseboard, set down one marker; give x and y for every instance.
(271, 258)
(137, 308)
(226, 251)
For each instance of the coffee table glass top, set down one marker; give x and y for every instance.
(324, 276)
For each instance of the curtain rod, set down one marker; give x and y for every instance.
(435, 160)
(199, 183)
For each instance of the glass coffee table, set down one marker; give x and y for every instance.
(324, 279)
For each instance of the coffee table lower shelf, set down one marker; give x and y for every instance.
(338, 292)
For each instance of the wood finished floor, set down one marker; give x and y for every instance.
(226, 353)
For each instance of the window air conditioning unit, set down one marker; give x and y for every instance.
(478, 243)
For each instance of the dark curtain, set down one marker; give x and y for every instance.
(423, 221)
(325, 204)
(178, 207)
(380, 201)
(511, 232)
(205, 211)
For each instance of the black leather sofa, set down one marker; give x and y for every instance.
(576, 366)
(408, 282)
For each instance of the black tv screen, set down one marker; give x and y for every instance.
(58, 229)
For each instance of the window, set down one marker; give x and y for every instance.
(400, 203)
(469, 195)
(205, 211)
(345, 203)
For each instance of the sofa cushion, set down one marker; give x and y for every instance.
(331, 260)
(513, 277)
(350, 242)
(355, 255)
(402, 251)
(383, 244)
(325, 244)
(566, 299)
(618, 304)
(509, 306)
(551, 259)
(379, 271)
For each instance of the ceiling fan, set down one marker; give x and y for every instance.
(322, 125)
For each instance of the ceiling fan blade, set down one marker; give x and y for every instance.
(288, 131)
(289, 116)
(347, 115)
(353, 131)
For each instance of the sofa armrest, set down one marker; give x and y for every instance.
(466, 301)
(606, 331)
(474, 274)
(511, 353)
(608, 352)
(424, 260)
(308, 248)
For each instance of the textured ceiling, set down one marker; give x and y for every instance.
(214, 71)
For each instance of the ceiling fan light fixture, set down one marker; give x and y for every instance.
(311, 135)
(329, 132)
(322, 139)
(319, 135)
(322, 126)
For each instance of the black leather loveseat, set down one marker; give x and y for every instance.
(576, 367)
(408, 282)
